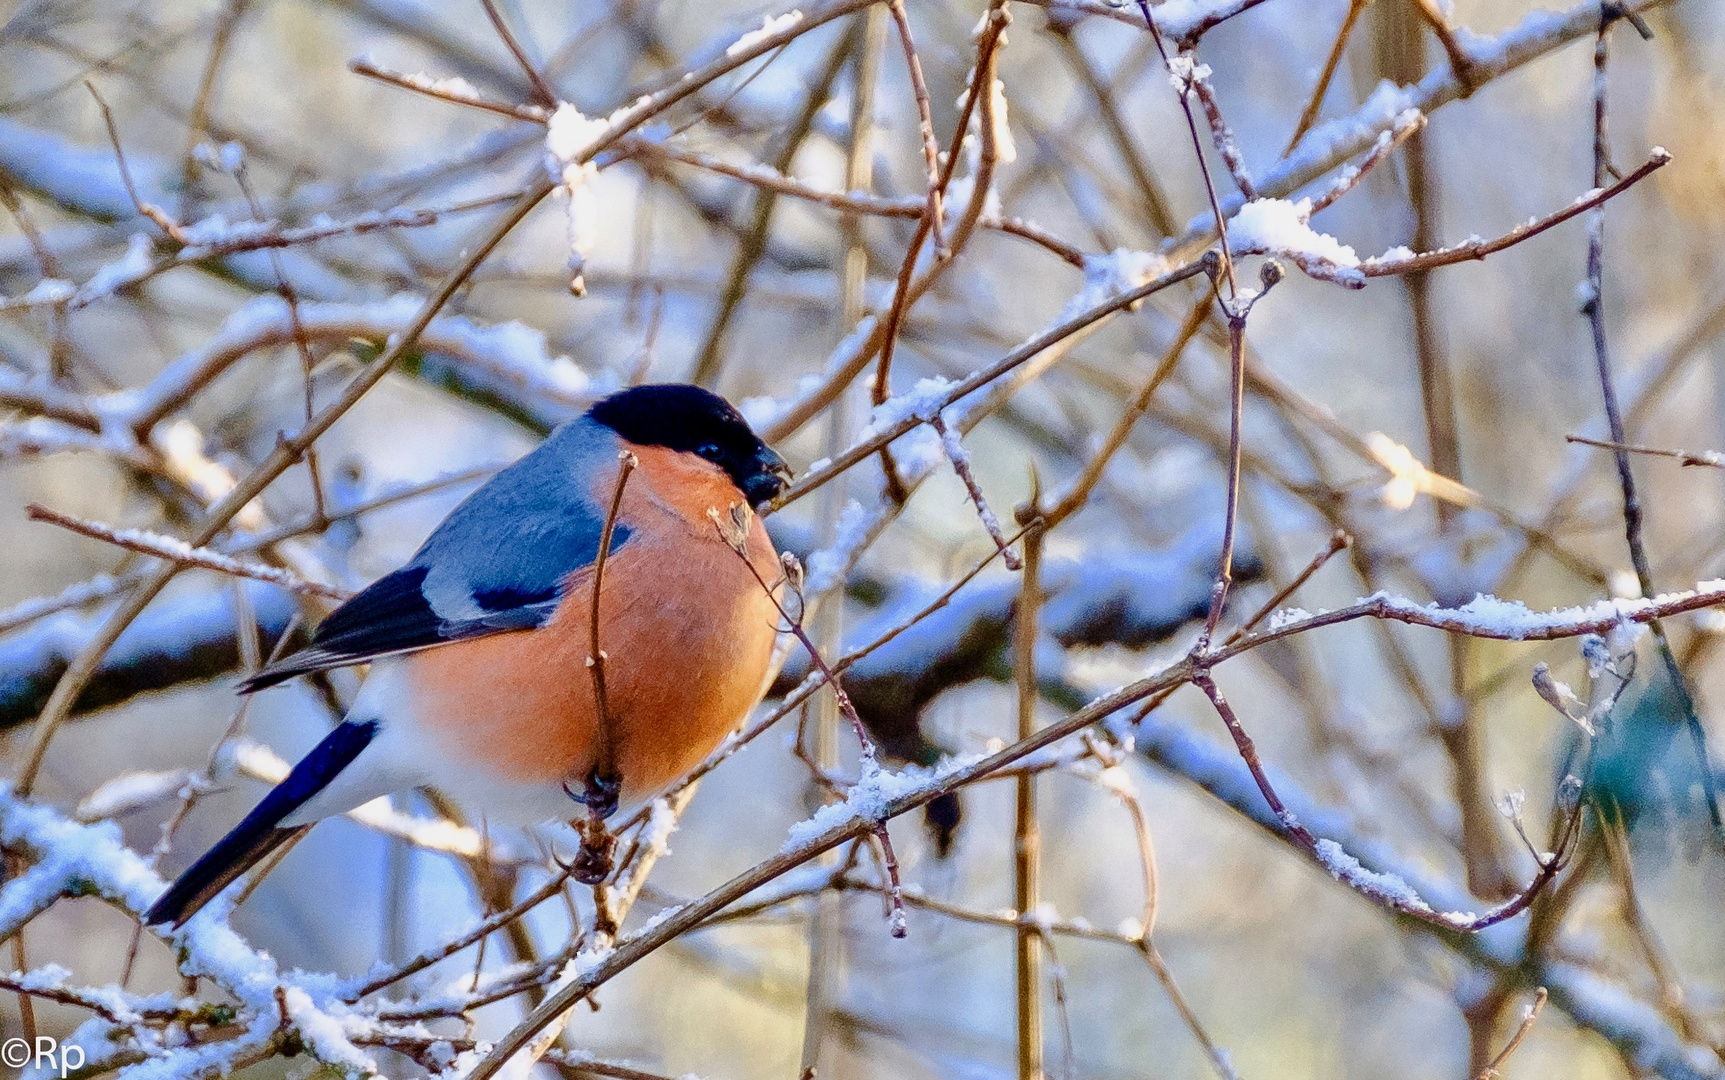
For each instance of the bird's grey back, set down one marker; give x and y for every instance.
(510, 544)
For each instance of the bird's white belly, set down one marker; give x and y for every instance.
(404, 755)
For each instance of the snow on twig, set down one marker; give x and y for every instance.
(510, 353)
(1487, 616)
(771, 25)
(176, 550)
(871, 797)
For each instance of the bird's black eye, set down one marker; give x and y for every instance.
(710, 451)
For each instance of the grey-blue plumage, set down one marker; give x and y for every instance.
(498, 562)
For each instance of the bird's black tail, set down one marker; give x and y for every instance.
(238, 852)
(262, 831)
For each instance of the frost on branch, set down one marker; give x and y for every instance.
(771, 25)
(569, 137)
(1279, 227)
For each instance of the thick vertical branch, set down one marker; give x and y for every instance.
(826, 930)
(1027, 833)
(1401, 48)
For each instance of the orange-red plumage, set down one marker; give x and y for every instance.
(686, 629)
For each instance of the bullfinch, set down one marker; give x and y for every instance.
(479, 682)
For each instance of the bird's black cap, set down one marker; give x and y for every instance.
(682, 417)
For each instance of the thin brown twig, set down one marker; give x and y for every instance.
(817, 679)
(1460, 64)
(924, 119)
(1184, 92)
(1223, 136)
(1321, 88)
(698, 911)
(1338, 541)
(200, 785)
(1048, 339)
(734, 532)
(1153, 199)
(1495, 1069)
(95, 590)
(177, 551)
(1405, 127)
(1343, 868)
(1710, 458)
(198, 121)
(1614, 834)
(149, 210)
(444, 91)
(982, 84)
(1492, 625)
(955, 453)
(1218, 1059)
(1479, 249)
(541, 89)
(288, 452)
(602, 783)
(1079, 492)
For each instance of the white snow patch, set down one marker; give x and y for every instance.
(1386, 887)
(770, 26)
(1279, 227)
(827, 567)
(47, 291)
(1005, 149)
(1107, 276)
(921, 402)
(116, 275)
(1182, 73)
(569, 139)
(872, 796)
(1399, 253)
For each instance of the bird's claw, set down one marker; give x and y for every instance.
(601, 795)
(594, 862)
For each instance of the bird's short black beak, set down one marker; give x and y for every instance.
(771, 477)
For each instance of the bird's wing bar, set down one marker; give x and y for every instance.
(389, 616)
(501, 561)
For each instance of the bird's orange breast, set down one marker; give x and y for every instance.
(687, 632)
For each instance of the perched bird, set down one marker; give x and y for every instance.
(480, 683)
